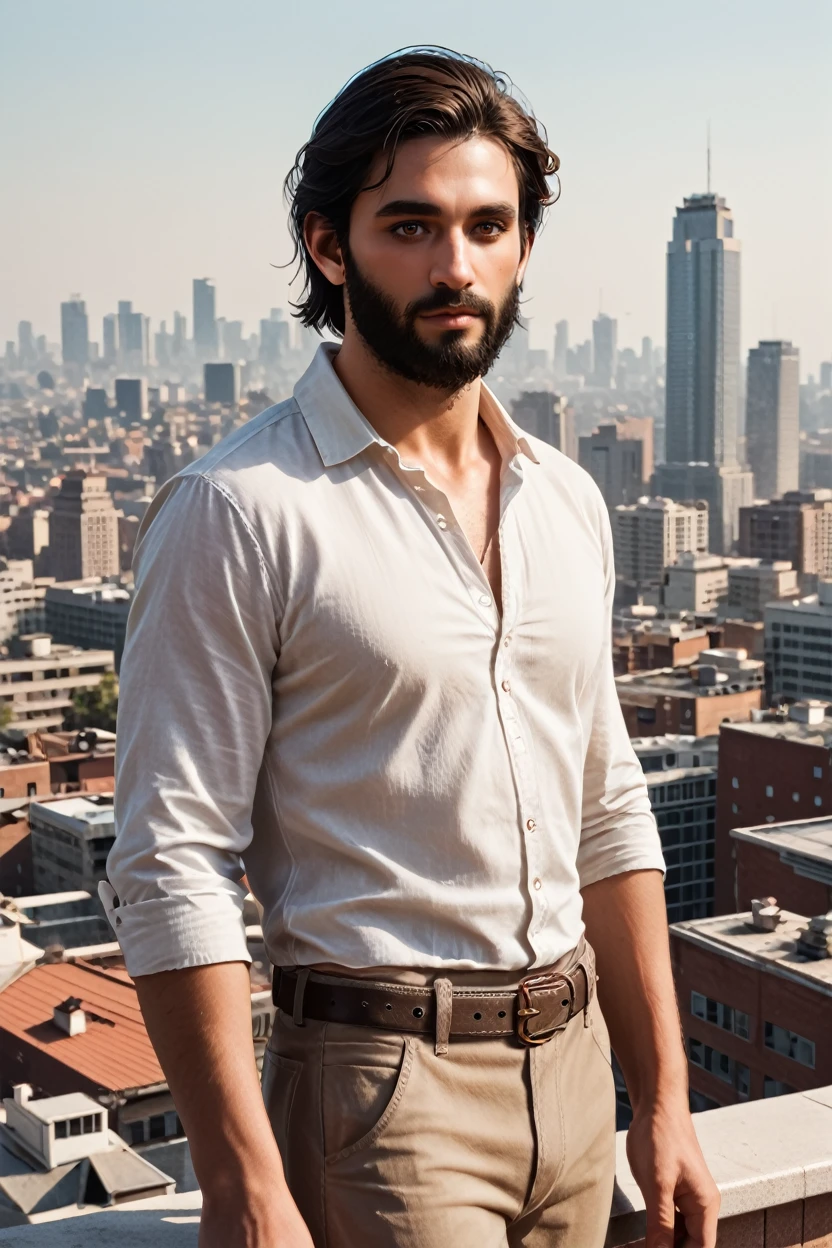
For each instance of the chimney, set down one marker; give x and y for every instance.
(22, 1093)
(815, 941)
(70, 1017)
(765, 914)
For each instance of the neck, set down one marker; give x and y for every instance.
(423, 423)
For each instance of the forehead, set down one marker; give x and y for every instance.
(455, 174)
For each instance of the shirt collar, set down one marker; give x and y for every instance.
(340, 431)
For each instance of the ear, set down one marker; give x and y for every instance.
(322, 245)
(524, 256)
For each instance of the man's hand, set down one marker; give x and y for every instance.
(251, 1219)
(668, 1165)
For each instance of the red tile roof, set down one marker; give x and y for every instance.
(115, 1054)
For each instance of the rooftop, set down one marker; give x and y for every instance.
(75, 813)
(802, 843)
(789, 729)
(114, 1053)
(776, 952)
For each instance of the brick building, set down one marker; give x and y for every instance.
(756, 1004)
(657, 643)
(723, 685)
(793, 861)
(775, 768)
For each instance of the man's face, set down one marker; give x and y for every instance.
(434, 260)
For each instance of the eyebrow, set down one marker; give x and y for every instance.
(420, 208)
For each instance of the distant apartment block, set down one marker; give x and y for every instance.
(773, 769)
(772, 432)
(549, 417)
(799, 645)
(88, 614)
(84, 539)
(697, 583)
(221, 384)
(39, 680)
(797, 527)
(721, 686)
(755, 994)
(726, 488)
(22, 600)
(680, 773)
(652, 533)
(71, 838)
(644, 646)
(753, 584)
(131, 399)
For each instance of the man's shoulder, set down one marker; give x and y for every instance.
(268, 438)
(568, 478)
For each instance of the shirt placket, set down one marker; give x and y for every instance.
(440, 513)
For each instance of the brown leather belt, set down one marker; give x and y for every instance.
(541, 1004)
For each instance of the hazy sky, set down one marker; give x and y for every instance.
(144, 142)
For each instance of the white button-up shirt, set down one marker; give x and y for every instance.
(318, 689)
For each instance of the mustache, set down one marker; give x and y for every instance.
(458, 300)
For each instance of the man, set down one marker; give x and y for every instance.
(369, 664)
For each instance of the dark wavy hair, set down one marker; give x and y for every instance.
(414, 92)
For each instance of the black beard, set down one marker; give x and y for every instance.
(450, 364)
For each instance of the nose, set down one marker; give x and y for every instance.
(452, 265)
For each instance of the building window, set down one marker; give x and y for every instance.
(775, 1087)
(61, 1130)
(735, 784)
(818, 801)
(735, 810)
(31, 790)
(724, 1016)
(769, 790)
(721, 1066)
(795, 797)
(789, 1044)
(817, 773)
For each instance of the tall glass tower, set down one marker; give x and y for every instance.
(703, 334)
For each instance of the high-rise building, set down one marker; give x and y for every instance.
(647, 362)
(221, 384)
(274, 338)
(109, 338)
(133, 335)
(561, 349)
(703, 334)
(604, 349)
(75, 339)
(83, 532)
(547, 416)
(799, 645)
(26, 349)
(772, 430)
(650, 535)
(180, 334)
(615, 462)
(205, 317)
(826, 375)
(131, 399)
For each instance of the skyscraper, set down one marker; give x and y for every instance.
(549, 417)
(561, 349)
(180, 334)
(205, 316)
(771, 422)
(133, 335)
(604, 349)
(75, 339)
(703, 334)
(109, 338)
(26, 348)
(83, 533)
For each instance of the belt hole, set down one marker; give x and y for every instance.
(501, 1013)
(365, 1005)
(418, 1012)
(388, 1006)
(478, 1016)
(565, 1002)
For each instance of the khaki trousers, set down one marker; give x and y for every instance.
(387, 1145)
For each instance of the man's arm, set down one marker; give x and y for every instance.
(626, 925)
(199, 1020)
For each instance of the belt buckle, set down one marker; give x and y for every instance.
(526, 1009)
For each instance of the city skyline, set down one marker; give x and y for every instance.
(148, 148)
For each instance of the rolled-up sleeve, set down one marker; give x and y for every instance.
(618, 828)
(195, 712)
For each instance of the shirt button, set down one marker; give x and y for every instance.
(485, 600)
(507, 686)
(538, 884)
(507, 641)
(443, 524)
(531, 825)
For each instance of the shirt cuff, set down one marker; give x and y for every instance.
(172, 933)
(634, 860)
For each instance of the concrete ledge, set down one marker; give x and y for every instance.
(772, 1161)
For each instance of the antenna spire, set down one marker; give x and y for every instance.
(709, 157)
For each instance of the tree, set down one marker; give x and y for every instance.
(6, 715)
(96, 707)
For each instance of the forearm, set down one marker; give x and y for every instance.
(199, 1021)
(626, 925)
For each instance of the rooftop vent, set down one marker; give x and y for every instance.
(815, 941)
(812, 711)
(22, 1093)
(70, 1017)
(765, 914)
